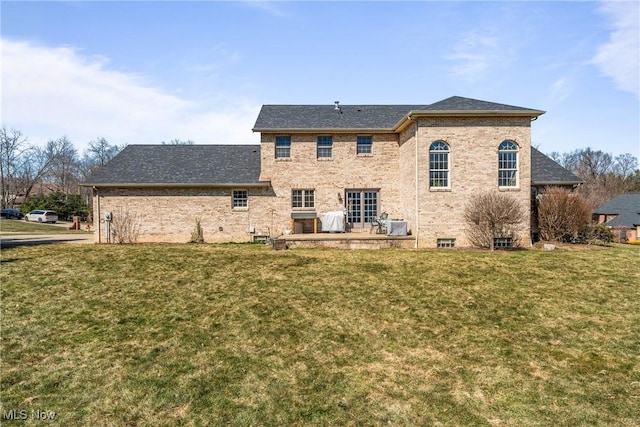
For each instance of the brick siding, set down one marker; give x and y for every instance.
(169, 215)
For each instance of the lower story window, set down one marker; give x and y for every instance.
(446, 243)
(240, 199)
(502, 242)
(302, 198)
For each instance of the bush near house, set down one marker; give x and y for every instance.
(562, 216)
(597, 234)
(490, 216)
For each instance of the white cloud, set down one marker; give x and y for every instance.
(474, 55)
(560, 90)
(273, 8)
(50, 92)
(618, 58)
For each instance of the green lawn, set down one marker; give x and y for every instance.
(242, 335)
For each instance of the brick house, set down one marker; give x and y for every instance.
(418, 163)
(622, 215)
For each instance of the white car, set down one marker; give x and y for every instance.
(41, 216)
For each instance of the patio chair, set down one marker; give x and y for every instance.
(379, 223)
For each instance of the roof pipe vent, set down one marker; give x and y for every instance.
(337, 107)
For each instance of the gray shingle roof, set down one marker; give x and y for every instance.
(294, 117)
(545, 171)
(459, 103)
(181, 165)
(370, 117)
(236, 164)
(626, 206)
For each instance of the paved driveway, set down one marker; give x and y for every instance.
(11, 239)
(8, 240)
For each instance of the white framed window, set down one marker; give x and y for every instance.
(325, 147)
(446, 243)
(303, 199)
(439, 165)
(239, 199)
(283, 147)
(364, 144)
(507, 164)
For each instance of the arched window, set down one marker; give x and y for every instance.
(508, 164)
(439, 165)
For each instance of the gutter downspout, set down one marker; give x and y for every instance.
(96, 218)
(417, 184)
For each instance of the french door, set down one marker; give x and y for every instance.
(362, 206)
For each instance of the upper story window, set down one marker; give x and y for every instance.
(325, 145)
(363, 145)
(239, 199)
(303, 198)
(283, 147)
(439, 165)
(508, 164)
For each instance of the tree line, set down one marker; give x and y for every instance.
(604, 176)
(24, 167)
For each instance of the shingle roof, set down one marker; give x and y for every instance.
(545, 171)
(370, 117)
(292, 117)
(236, 164)
(459, 103)
(181, 165)
(626, 206)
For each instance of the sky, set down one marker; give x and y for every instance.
(152, 71)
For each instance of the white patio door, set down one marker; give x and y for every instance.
(362, 206)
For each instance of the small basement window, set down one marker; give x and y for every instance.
(502, 242)
(446, 243)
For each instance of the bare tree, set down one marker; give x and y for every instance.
(566, 160)
(41, 161)
(98, 154)
(65, 166)
(493, 215)
(604, 176)
(22, 167)
(594, 165)
(626, 165)
(12, 156)
(562, 215)
(100, 151)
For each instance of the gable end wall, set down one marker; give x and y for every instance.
(473, 163)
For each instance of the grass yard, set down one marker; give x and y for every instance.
(242, 335)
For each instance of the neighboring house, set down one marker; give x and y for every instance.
(39, 189)
(622, 215)
(420, 163)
